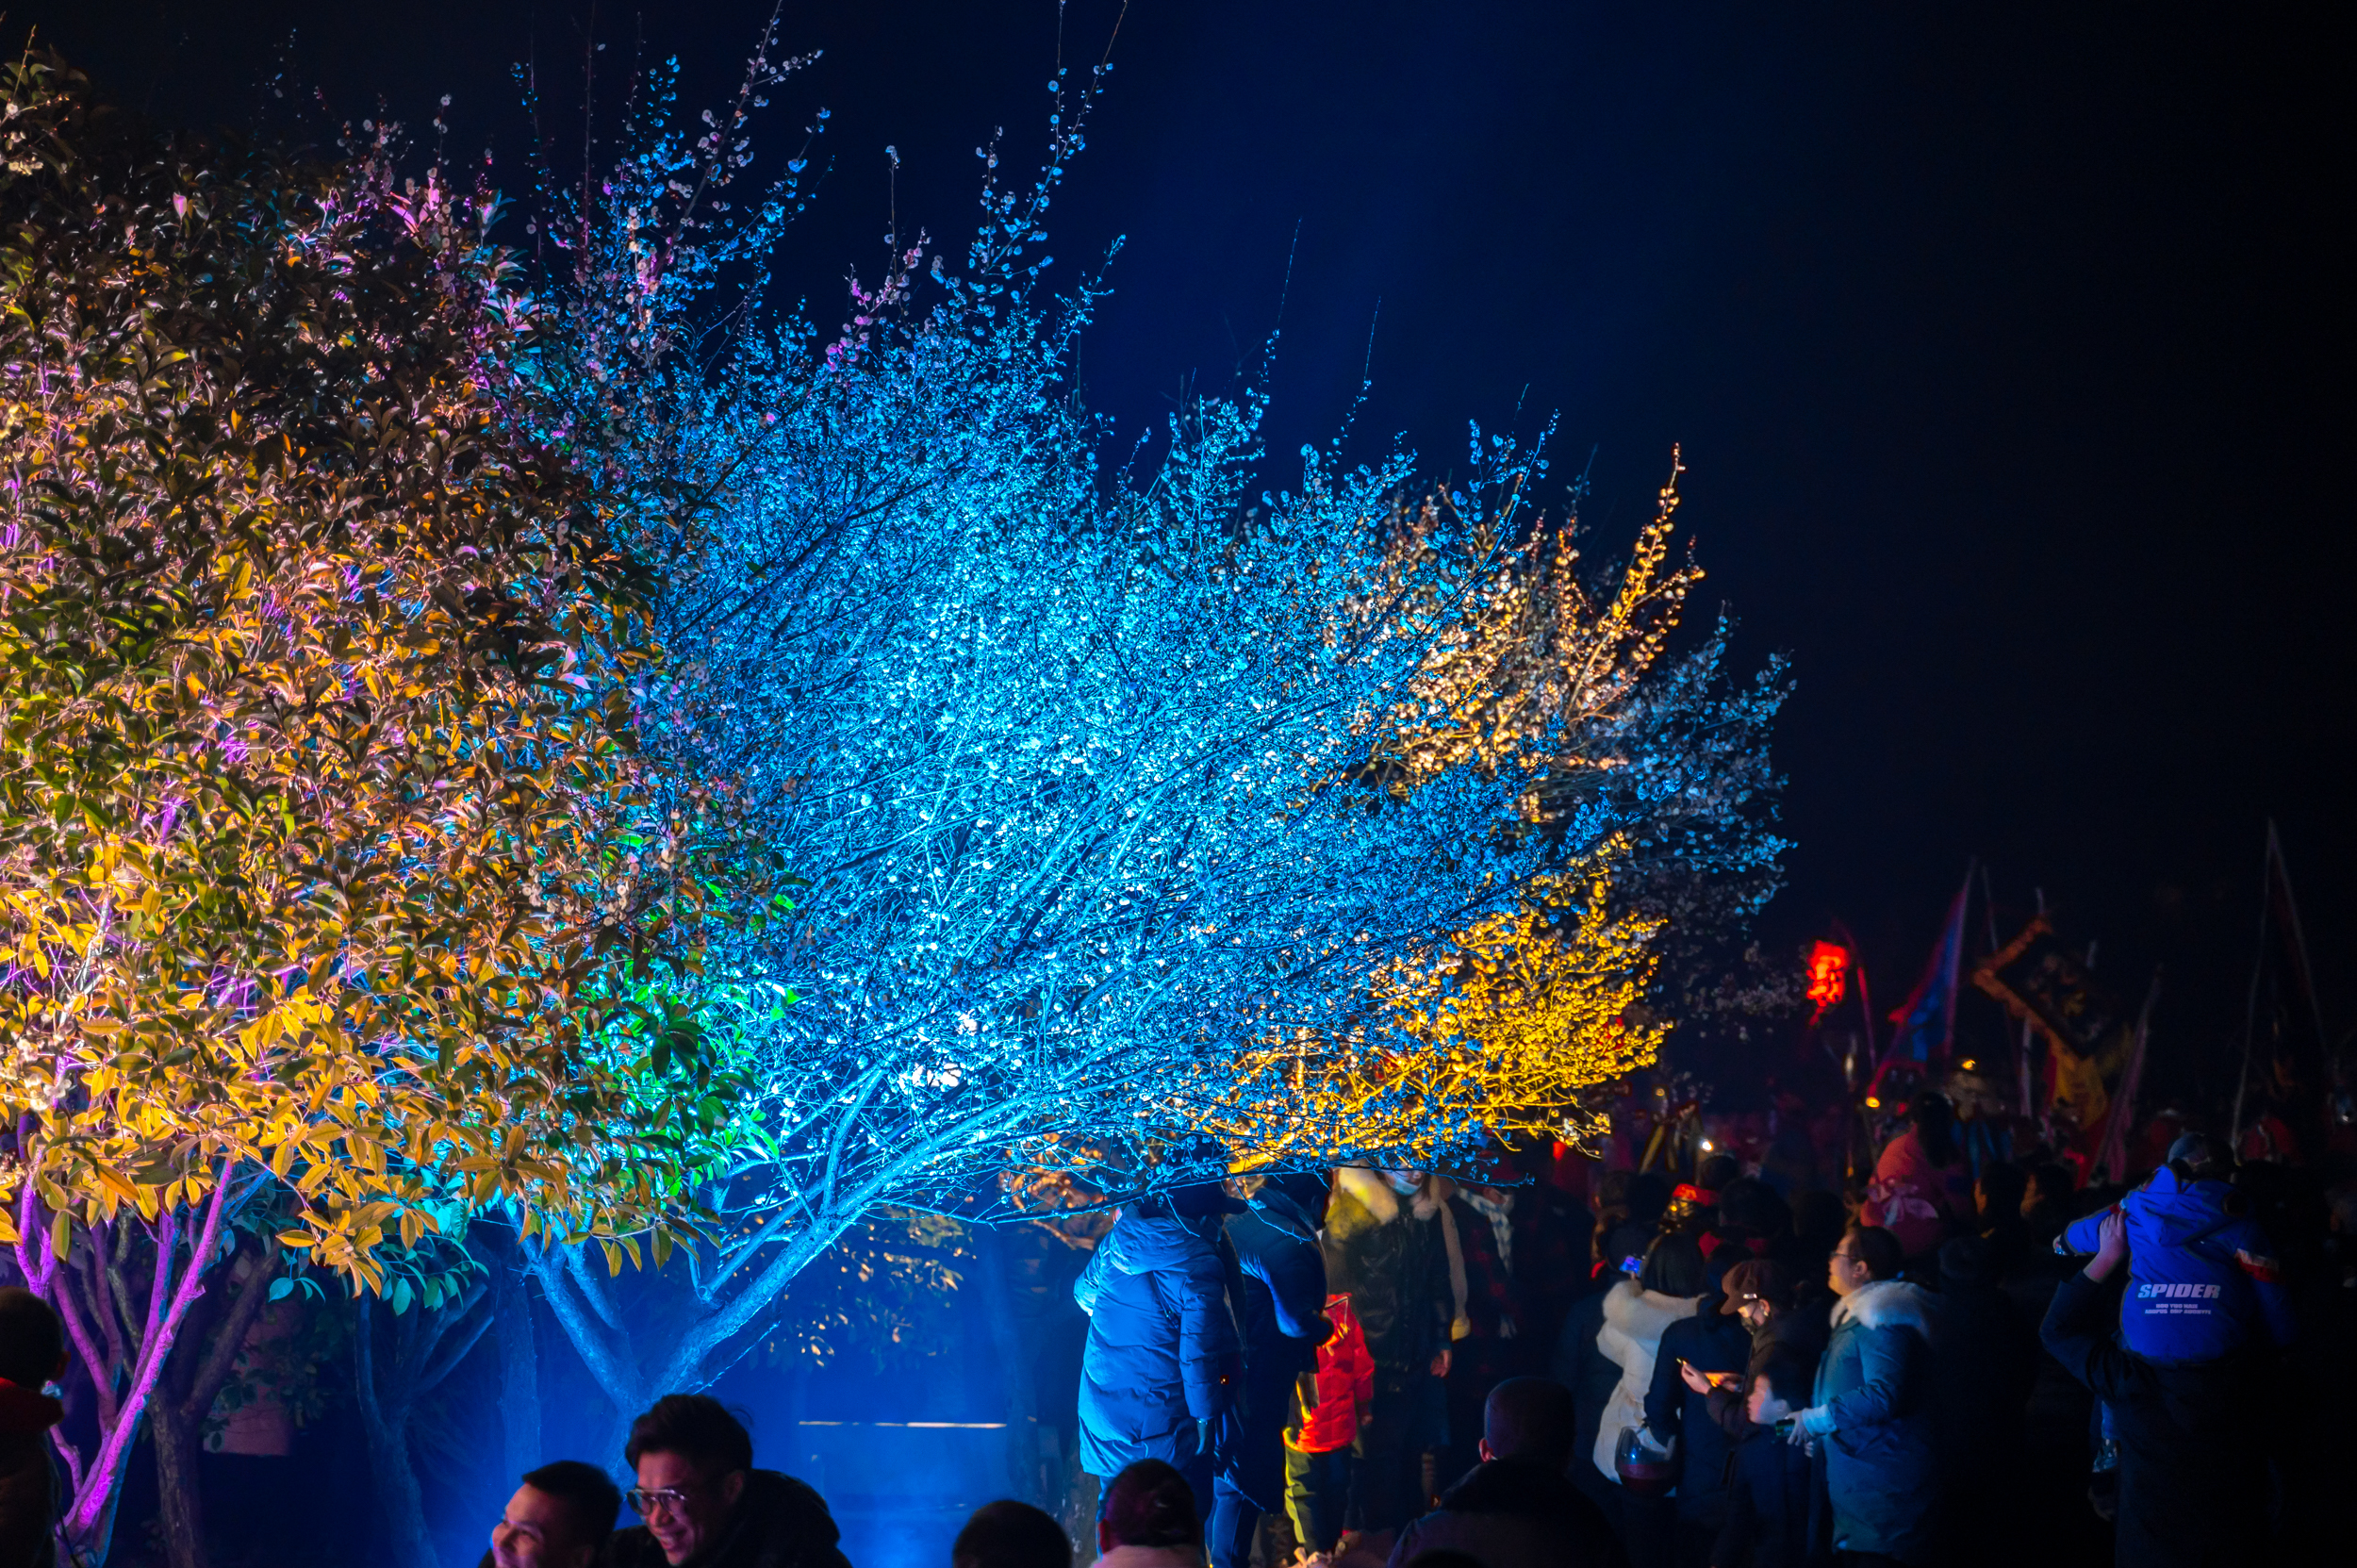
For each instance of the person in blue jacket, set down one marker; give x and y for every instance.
(1277, 1286)
(2201, 1278)
(1162, 1375)
(1871, 1409)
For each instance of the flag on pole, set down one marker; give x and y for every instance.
(2285, 1017)
(1927, 1020)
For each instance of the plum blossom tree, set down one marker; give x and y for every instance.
(1135, 799)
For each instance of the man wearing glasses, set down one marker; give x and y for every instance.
(705, 1504)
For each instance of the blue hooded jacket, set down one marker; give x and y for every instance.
(1162, 1361)
(2199, 1280)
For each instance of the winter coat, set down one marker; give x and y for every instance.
(1874, 1405)
(1580, 1366)
(1275, 1286)
(1912, 1198)
(1494, 1306)
(29, 1482)
(1775, 1517)
(1514, 1513)
(1631, 1334)
(2187, 1474)
(1390, 1258)
(1344, 1385)
(781, 1523)
(1161, 1360)
(2200, 1280)
(1714, 1342)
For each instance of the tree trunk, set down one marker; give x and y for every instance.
(384, 1424)
(179, 1441)
(211, 1337)
(520, 1366)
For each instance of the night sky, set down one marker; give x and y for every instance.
(2008, 349)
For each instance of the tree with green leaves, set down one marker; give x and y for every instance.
(336, 894)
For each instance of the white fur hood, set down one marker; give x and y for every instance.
(1888, 1304)
(1641, 1315)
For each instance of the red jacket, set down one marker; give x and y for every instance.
(1346, 1385)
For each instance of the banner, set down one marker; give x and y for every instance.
(2090, 1036)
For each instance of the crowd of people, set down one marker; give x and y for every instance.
(1391, 1367)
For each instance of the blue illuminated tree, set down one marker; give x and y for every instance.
(1103, 776)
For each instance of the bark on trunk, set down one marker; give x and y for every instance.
(519, 1366)
(211, 1337)
(179, 1499)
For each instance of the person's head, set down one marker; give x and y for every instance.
(1609, 1195)
(1529, 1418)
(1935, 1123)
(32, 1339)
(2051, 1187)
(1713, 1174)
(2199, 1157)
(1781, 1380)
(1648, 1198)
(1964, 1261)
(1310, 1191)
(1757, 1289)
(1008, 1534)
(1867, 1253)
(691, 1457)
(1148, 1504)
(1997, 1193)
(1750, 1205)
(1817, 1218)
(1674, 1266)
(559, 1518)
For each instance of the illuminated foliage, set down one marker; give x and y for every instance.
(331, 878)
(1105, 778)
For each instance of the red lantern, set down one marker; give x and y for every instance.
(1828, 962)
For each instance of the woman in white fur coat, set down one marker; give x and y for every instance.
(1635, 1312)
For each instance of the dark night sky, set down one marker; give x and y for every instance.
(2002, 342)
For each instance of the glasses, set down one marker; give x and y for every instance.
(643, 1500)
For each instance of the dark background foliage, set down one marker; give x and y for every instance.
(2003, 345)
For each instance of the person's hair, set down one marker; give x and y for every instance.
(1008, 1534)
(1817, 1218)
(32, 1338)
(1648, 1198)
(1750, 1204)
(2053, 1184)
(1149, 1504)
(2004, 1185)
(1674, 1266)
(1878, 1249)
(1934, 1122)
(1964, 1261)
(1531, 1418)
(1789, 1373)
(588, 1494)
(1714, 1172)
(2199, 1157)
(1611, 1193)
(696, 1427)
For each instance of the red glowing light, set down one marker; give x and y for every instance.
(1828, 962)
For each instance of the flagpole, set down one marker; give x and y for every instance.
(2258, 967)
(2113, 1156)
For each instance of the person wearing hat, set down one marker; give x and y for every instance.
(1710, 1346)
(1762, 1295)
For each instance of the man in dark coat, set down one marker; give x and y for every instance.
(1517, 1508)
(706, 1506)
(1775, 1517)
(32, 1351)
(1162, 1375)
(1986, 1367)
(1277, 1287)
(2186, 1483)
(1714, 1343)
(1384, 1250)
(1582, 1366)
